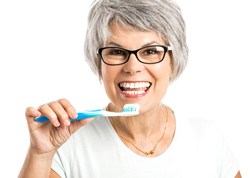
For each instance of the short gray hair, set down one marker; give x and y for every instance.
(161, 16)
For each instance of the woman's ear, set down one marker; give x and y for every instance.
(171, 65)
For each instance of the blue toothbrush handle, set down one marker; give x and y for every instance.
(81, 116)
(85, 115)
(42, 119)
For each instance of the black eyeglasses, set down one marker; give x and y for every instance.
(148, 55)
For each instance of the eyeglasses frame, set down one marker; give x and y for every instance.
(165, 47)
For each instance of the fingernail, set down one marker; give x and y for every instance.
(37, 113)
(57, 124)
(73, 115)
(68, 122)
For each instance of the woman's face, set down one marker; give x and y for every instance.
(135, 82)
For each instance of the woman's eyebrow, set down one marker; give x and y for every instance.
(113, 44)
(118, 45)
(150, 43)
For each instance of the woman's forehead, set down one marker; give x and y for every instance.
(119, 32)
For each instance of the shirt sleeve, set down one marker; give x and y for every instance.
(64, 158)
(215, 149)
(57, 165)
(229, 165)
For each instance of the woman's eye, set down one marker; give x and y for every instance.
(116, 52)
(149, 52)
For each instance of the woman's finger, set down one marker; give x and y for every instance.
(60, 112)
(68, 108)
(46, 111)
(31, 113)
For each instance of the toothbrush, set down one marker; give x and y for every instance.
(127, 110)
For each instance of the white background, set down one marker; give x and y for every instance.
(41, 59)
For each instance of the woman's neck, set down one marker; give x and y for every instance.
(146, 125)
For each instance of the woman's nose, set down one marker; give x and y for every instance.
(133, 65)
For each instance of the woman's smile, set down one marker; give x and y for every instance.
(134, 89)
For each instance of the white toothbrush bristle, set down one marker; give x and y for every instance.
(131, 108)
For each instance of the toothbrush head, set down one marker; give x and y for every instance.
(131, 108)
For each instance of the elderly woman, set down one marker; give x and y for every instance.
(137, 48)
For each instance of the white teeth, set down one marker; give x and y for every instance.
(136, 85)
(134, 92)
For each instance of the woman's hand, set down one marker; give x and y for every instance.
(49, 136)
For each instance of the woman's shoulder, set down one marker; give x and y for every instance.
(202, 126)
(204, 129)
(199, 130)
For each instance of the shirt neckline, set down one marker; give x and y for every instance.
(130, 153)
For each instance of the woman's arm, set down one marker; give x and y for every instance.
(238, 175)
(47, 137)
(36, 165)
(53, 174)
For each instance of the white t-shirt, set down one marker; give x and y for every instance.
(198, 150)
